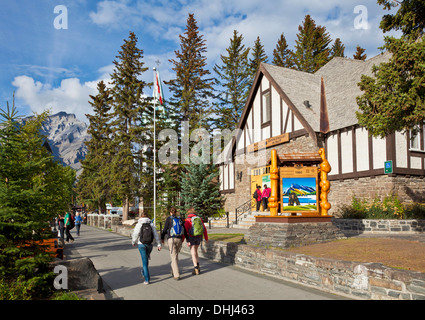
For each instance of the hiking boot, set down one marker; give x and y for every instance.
(196, 270)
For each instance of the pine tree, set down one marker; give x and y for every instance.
(312, 50)
(409, 18)
(94, 182)
(394, 99)
(191, 89)
(233, 78)
(258, 56)
(282, 55)
(360, 54)
(338, 49)
(200, 190)
(131, 113)
(34, 189)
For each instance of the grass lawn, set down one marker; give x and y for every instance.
(226, 237)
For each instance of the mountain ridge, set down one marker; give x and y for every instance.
(67, 136)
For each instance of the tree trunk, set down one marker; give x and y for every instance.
(125, 209)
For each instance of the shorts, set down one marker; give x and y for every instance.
(195, 240)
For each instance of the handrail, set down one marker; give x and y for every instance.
(242, 209)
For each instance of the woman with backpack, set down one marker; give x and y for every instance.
(195, 229)
(144, 233)
(176, 233)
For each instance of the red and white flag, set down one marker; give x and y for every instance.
(157, 90)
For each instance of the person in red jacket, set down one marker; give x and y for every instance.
(193, 228)
(265, 197)
(257, 196)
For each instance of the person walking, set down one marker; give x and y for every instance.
(265, 197)
(61, 225)
(69, 224)
(195, 229)
(176, 233)
(78, 221)
(257, 197)
(143, 235)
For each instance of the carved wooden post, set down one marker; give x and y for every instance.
(325, 168)
(274, 179)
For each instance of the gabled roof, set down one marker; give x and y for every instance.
(340, 78)
(332, 89)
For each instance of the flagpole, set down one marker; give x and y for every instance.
(154, 151)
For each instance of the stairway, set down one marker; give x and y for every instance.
(245, 221)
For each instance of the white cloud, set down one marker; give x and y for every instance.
(71, 96)
(114, 14)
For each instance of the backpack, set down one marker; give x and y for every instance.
(197, 228)
(146, 233)
(176, 229)
(255, 195)
(71, 222)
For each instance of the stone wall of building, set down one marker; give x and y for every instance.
(407, 189)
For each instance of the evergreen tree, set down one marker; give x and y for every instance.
(191, 89)
(132, 111)
(394, 99)
(338, 49)
(200, 190)
(233, 78)
(360, 54)
(33, 190)
(95, 182)
(282, 55)
(312, 50)
(258, 56)
(409, 18)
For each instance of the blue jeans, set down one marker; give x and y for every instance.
(145, 251)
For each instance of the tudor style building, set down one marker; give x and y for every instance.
(295, 112)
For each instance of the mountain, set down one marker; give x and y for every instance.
(67, 136)
(300, 190)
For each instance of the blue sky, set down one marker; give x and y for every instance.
(57, 69)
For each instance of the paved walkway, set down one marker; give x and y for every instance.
(119, 265)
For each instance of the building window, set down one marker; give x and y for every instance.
(416, 139)
(265, 113)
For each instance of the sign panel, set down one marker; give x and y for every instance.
(299, 190)
(274, 141)
(388, 167)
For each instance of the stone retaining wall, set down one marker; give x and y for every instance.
(359, 226)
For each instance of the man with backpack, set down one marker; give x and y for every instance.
(195, 229)
(176, 233)
(258, 197)
(144, 233)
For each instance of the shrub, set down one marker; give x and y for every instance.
(388, 208)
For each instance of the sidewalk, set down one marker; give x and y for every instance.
(119, 265)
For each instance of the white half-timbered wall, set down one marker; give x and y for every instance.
(268, 116)
(259, 126)
(353, 154)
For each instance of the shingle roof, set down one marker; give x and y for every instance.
(341, 76)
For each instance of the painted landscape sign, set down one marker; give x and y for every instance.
(299, 189)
